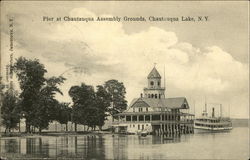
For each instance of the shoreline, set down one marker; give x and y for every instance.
(22, 134)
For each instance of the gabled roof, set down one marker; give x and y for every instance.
(171, 103)
(154, 74)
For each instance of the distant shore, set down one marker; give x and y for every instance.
(51, 133)
(240, 122)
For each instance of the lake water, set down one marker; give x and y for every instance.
(227, 145)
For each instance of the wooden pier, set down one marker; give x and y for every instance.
(163, 123)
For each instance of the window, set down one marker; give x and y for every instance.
(140, 109)
(151, 83)
(152, 95)
(138, 126)
(133, 125)
(146, 109)
(158, 83)
(155, 95)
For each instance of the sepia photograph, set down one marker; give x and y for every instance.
(124, 80)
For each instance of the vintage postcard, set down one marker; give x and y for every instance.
(124, 80)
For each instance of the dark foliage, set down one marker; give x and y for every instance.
(117, 91)
(10, 110)
(37, 93)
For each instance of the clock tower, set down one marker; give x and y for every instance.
(154, 89)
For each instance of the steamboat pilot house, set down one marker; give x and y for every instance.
(154, 113)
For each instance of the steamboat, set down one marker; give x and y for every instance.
(213, 123)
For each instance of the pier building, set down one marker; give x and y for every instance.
(154, 113)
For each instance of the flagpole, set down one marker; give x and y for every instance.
(164, 83)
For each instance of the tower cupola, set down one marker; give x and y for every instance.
(154, 89)
(154, 79)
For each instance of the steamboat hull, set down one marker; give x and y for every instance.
(211, 130)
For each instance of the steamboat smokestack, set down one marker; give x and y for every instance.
(213, 112)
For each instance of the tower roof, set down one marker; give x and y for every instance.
(154, 74)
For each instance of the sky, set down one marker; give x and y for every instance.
(202, 60)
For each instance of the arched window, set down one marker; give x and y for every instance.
(152, 83)
(148, 95)
(156, 96)
(159, 96)
(152, 95)
(159, 83)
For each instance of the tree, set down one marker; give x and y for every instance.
(30, 74)
(38, 101)
(92, 115)
(10, 110)
(102, 103)
(45, 109)
(64, 114)
(96, 114)
(117, 91)
(83, 97)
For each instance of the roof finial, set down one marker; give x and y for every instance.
(155, 64)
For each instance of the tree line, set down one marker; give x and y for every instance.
(36, 102)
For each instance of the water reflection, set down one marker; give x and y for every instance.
(128, 146)
(87, 147)
(13, 146)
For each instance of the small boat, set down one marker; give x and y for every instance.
(143, 133)
(212, 124)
